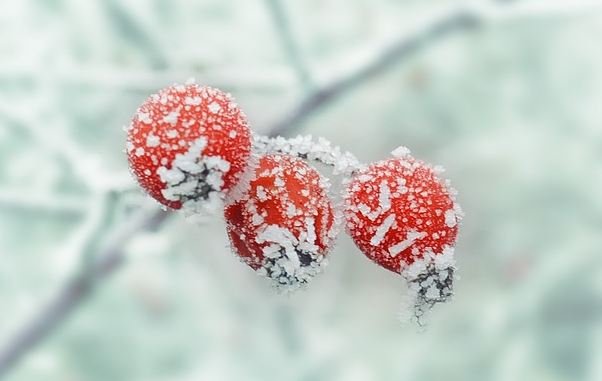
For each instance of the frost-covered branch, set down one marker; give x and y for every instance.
(291, 48)
(304, 147)
(77, 289)
(404, 48)
(43, 203)
(60, 145)
(455, 20)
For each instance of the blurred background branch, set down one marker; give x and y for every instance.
(111, 257)
(100, 244)
(284, 33)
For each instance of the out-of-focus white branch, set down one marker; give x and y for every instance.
(85, 166)
(19, 200)
(491, 12)
(225, 76)
(108, 258)
(289, 43)
(437, 26)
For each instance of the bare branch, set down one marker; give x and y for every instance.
(78, 288)
(56, 205)
(404, 48)
(285, 34)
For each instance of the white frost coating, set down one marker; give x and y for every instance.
(311, 230)
(261, 193)
(214, 107)
(291, 255)
(384, 202)
(450, 218)
(139, 151)
(257, 219)
(382, 230)
(366, 211)
(291, 211)
(400, 152)
(430, 281)
(152, 140)
(384, 198)
(217, 163)
(172, 117)
(170, 176)
(401, 186)
(286, 240)
(412, 237)
(144, 117)
(193, 101)
(195, 180)
(343, 163)
(276, 234)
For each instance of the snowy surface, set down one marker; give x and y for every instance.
(512, 110)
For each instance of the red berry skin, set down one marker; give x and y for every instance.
(397, 210)
(284, 216)
(168, 123)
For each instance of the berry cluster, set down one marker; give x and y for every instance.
(191, 149)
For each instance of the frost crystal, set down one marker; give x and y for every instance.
(343, 163)
(409, 241)
(400, 151)
(288, 262)
(195, 180)
(382, 230)
(430, 281)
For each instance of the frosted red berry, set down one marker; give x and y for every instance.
(282, 224)
(398, 211)
(188, 143)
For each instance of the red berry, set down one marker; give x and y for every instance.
(282, 224)
(188, 143)
(398, 211)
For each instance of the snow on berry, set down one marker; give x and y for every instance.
(187, 145)
(282, 225)
(404, 218)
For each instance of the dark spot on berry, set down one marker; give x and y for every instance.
(304, 258)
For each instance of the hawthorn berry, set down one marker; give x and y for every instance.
(402, 216)
(282, 224)
(187, 145)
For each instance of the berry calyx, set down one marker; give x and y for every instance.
(282, 225)
(187, 145)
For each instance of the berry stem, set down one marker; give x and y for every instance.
(304, 147)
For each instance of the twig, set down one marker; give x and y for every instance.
(128, 26)
(404, 48)
(19, 201)
(285, 34)
(320, 150)
(58, 144)
(78, 288)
